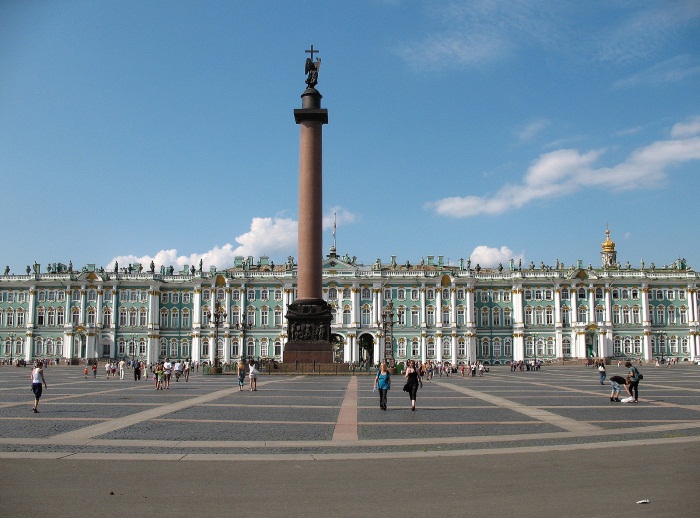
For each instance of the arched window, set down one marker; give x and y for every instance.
(415, 347)
(445, 316)
(40, 316)
(485, 348)
(132, 317)
(38, 346)
(91, 316)
(446, 347)
(431, 348)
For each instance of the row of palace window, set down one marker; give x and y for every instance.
(632, 345)
(173, 297)
(494, 317)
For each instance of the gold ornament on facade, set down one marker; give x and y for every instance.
(608, 245)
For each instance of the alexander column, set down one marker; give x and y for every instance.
(309, 316)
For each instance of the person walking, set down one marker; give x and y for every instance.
(601, 371)
(94, 370)
(241, 375)
(382, 383)
(37, 376)
(122, 365)
(413, 379)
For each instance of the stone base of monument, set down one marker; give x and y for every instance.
(309, 331)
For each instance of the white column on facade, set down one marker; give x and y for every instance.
(31, 308)
(573, 294)
(347, 350)
(646, 346)
(423, 306)
(227, 325)
(227, 306)
(692, 305)
(28, 346)
(518, 306)
(438, 309)
(608, 304)
(645, 305)
(380, 305)
(355, 306)
(99, 309)
(424, 347)
(438, 346)
(453, 307)
(591, 304)
(471, 347)
(454, 349)
(83, 306)
(470, 307)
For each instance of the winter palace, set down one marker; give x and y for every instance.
(430, 310)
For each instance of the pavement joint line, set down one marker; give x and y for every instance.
(252, 457)
(424, 441)
(112, 425)
(543, 415)
(51, 399)
(346, 425)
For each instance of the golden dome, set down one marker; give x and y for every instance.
(608, 245)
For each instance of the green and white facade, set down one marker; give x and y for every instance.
(441, 312)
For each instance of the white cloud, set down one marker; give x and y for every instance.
(567, 171)
(531, 130)
(267, 236)
(342, 217)
(686, 129)
(488, 257)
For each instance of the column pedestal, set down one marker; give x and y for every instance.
(309, 323)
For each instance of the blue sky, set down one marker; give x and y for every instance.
(483, 129)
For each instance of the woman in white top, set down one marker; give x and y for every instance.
(253, 376)
(37, 379)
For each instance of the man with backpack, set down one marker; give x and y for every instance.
(633, 386)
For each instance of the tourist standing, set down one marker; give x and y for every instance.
(241, 375)
(94, 370)
(37, 376)
(633, 377)
(167, 371)
(382, 383)
(413, 379)
(253, 376)
(122, 364)
(187, 370)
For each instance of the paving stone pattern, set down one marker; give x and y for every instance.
(340, 415)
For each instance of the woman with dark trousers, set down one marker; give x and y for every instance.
(382, 383)
(413, 379)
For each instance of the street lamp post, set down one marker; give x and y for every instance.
(12, 348)
(219, 317)
(388, 327)
(133, 347)
(662, 344)
(243, 326)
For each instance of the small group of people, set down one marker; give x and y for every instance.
(522, 365)
(414, 379)
(252, 375)
(631, 384)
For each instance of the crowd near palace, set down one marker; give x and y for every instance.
(426, 311)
